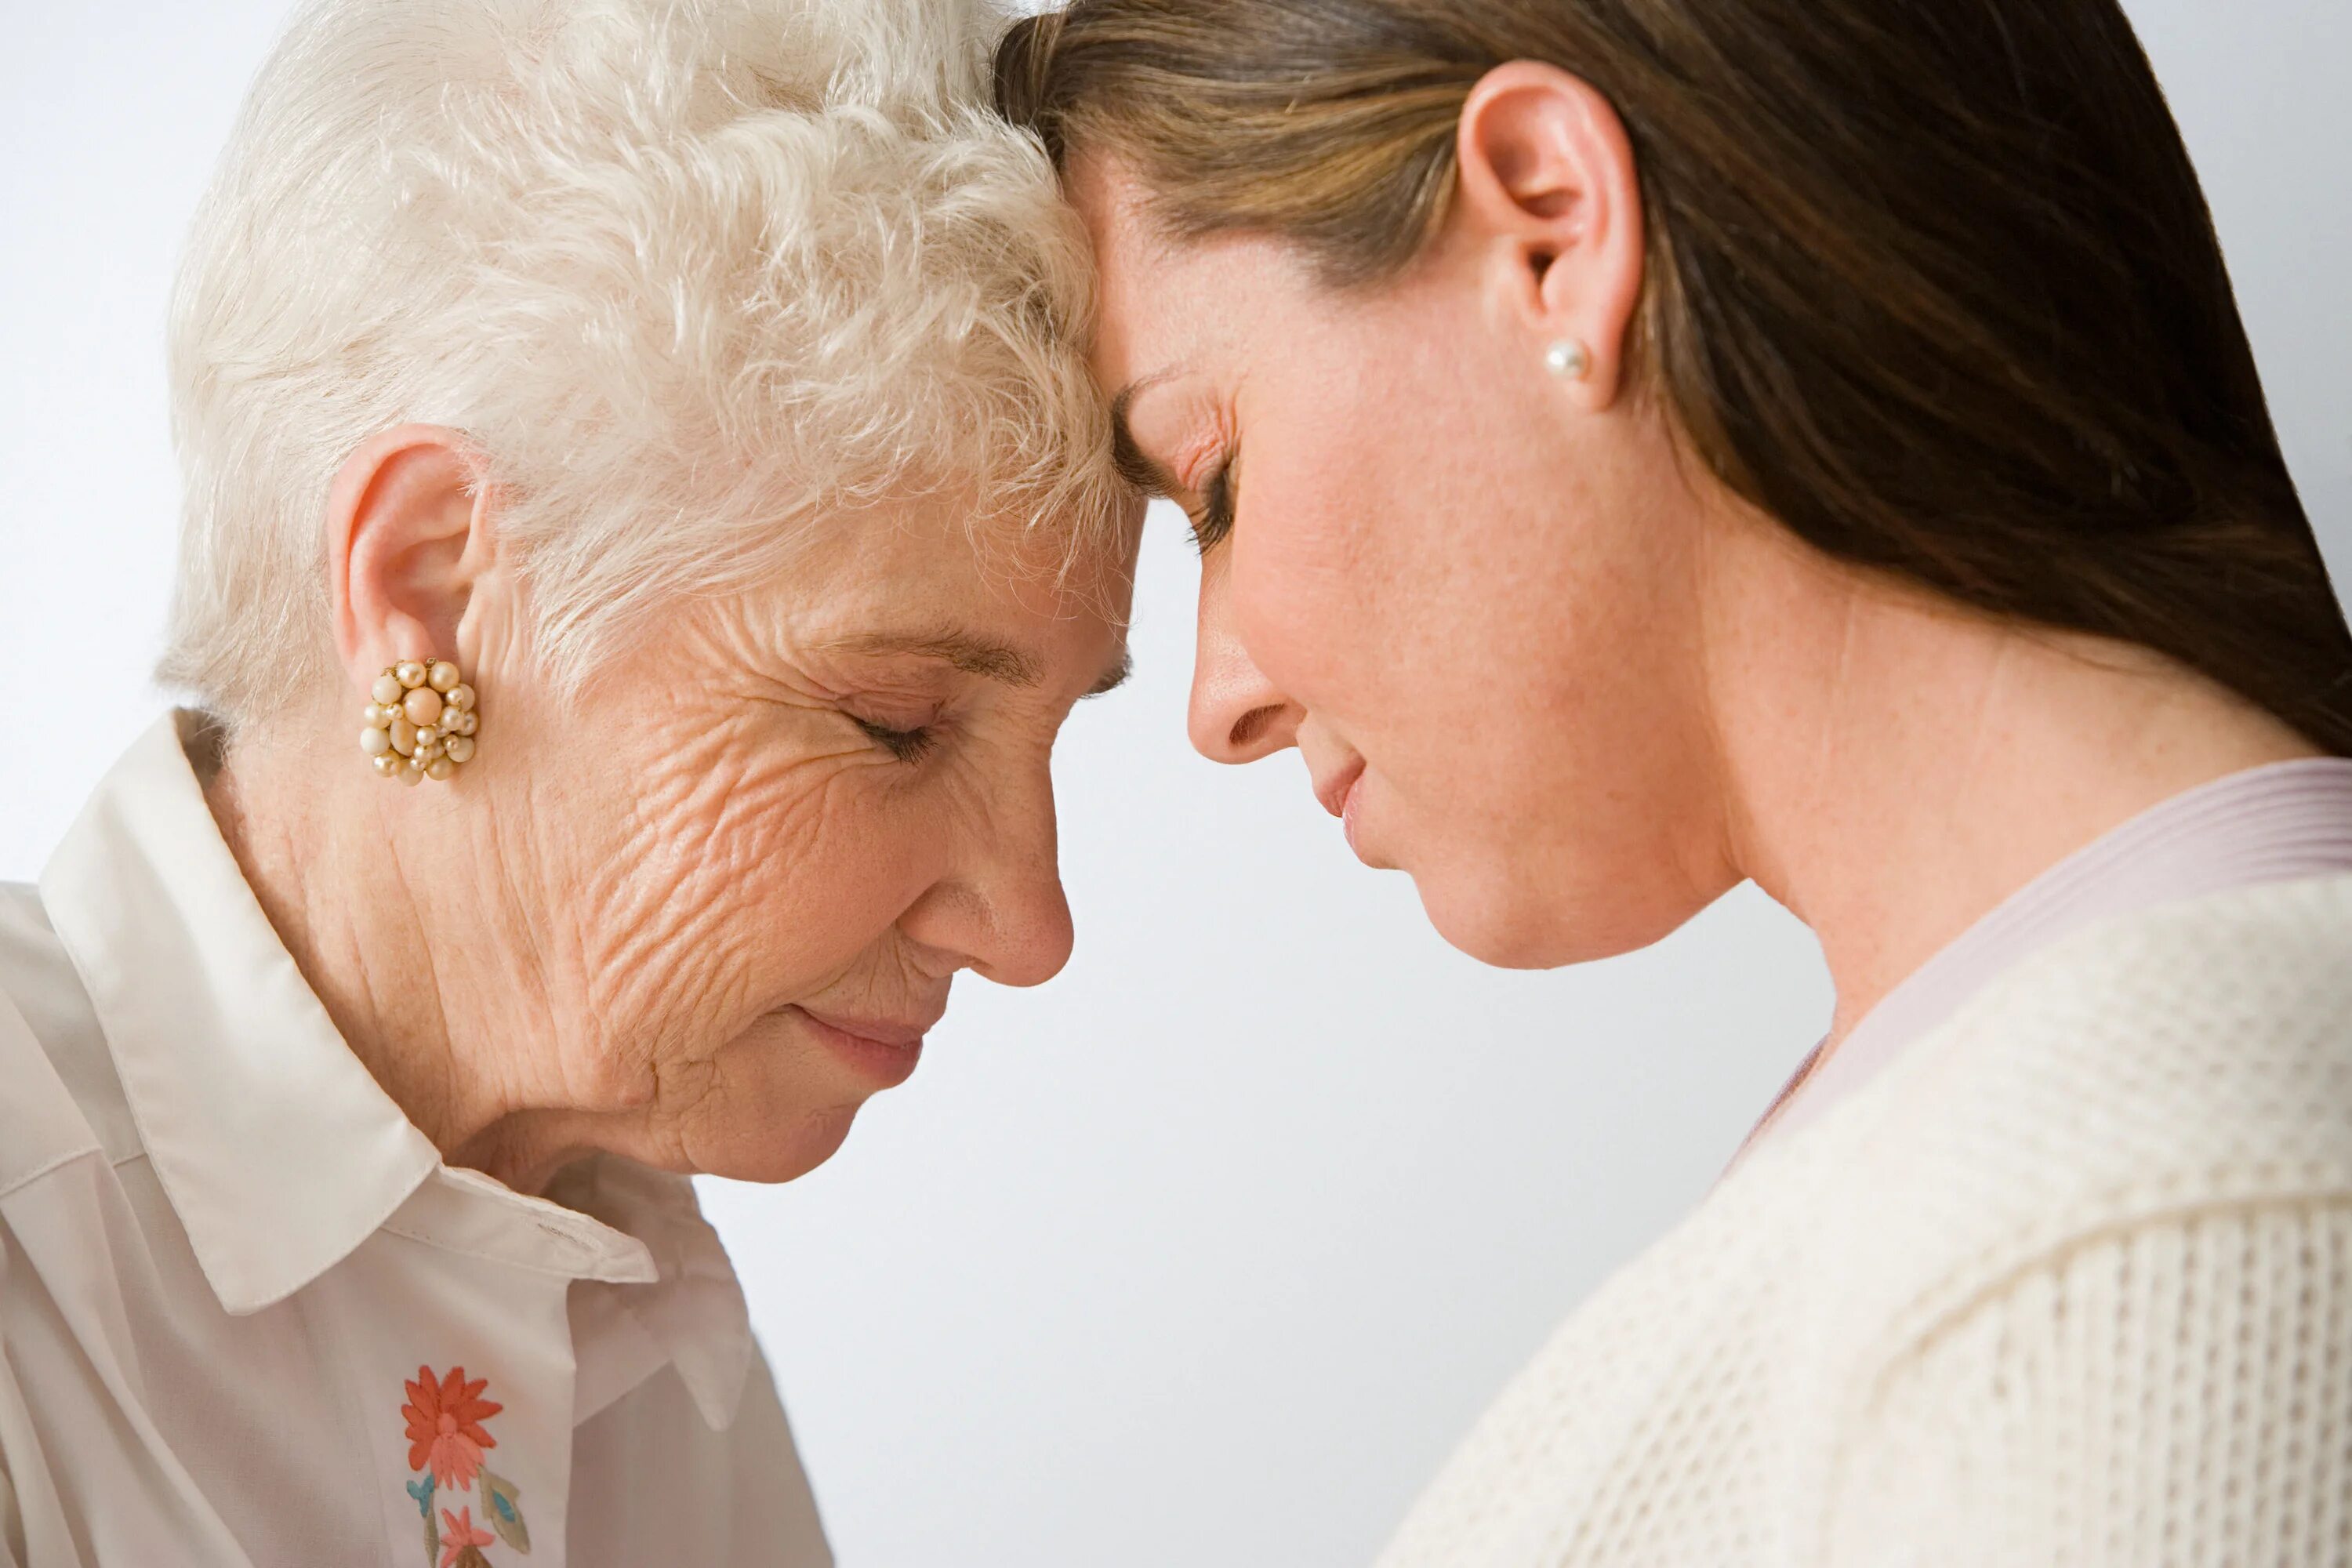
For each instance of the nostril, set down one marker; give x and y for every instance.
(1252, 726)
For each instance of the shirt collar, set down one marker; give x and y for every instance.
(278, 1149)
(697, 1315)
(275, 1147)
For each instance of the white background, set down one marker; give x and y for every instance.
(1207, 1252)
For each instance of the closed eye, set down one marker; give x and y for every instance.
(907, 745)
(1214, 522)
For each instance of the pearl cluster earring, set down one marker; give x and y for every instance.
(422, 722)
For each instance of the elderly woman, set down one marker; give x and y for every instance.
(646, 525)
(1643, 445)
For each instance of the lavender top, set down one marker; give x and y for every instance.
(2276, 824)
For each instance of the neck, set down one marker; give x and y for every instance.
(384, 910)
(1898, 766)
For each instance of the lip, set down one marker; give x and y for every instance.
(1339, 789)
(884, 1049)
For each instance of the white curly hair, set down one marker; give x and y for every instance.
(694, 275)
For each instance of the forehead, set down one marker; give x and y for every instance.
(933, 562)
(1153, 288)
(1169, 304)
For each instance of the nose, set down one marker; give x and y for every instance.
(1236, 714)
(1002, 913)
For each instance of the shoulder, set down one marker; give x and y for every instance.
(2119, 1181)
(53, 1095)
(2205, 1045)
(2190, 1057)
(2168, 1391)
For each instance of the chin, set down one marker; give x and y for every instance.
(1509, 926)
(775, 1152)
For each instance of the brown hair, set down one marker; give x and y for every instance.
(1933, 284)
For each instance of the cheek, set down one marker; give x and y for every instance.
(1299, 610)
(1492, 601)
(744, 881)
(1308, 566)
(1385, 514)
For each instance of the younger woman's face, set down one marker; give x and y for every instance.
(1470, 600)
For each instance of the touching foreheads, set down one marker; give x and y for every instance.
(692, 277)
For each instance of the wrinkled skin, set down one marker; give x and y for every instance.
(604, 933)
(760, 850)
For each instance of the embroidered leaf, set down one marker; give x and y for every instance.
(499, 1496)
(422, 1491)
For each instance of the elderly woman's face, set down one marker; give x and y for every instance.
(767, 842)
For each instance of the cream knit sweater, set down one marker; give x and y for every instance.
(2068, 1283)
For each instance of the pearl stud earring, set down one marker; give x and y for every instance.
(1567, 360)
(421, 721)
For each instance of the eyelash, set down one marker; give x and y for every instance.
(907, 745)
(1216, 519)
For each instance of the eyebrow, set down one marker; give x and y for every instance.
(976, 655)
(967, 651)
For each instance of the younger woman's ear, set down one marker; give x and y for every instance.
(1547, 187)
(406, 534)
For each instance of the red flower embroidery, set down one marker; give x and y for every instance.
(459, 1532)
(445, 1425)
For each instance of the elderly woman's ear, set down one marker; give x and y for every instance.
(782, 413)
(409, 546)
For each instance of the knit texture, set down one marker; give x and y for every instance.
(2069, 1283)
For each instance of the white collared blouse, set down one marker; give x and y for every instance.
(247, 1317)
